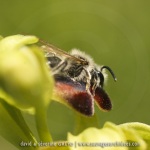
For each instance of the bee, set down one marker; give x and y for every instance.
(78, 80)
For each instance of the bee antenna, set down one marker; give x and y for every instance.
(109, 69)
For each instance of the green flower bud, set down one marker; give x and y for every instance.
(25, 80)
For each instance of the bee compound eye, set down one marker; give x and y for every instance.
(101, 76)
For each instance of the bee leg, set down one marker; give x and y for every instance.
(60, 67)
(95, 83)
(94, 87)
(88, 81)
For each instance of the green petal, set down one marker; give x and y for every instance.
(97, 139)
(13, 43)
(141, 133)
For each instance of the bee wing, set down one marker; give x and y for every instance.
(102, 99)
(74, 94)
(49, 48)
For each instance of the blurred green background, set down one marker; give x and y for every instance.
(115, 33)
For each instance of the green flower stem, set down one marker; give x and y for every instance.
(18, 118)
(41, 122)
(83, 122)
(10, 129)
